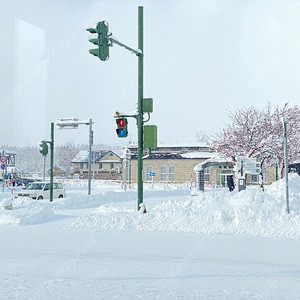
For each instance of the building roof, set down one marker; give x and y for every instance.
(178, 155)
(212, 161)
(83, 155)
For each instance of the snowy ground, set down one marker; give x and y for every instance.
(217, 245)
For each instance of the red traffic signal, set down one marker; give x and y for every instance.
(122, 127)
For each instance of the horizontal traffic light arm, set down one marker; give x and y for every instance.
(138, 52)
(118, 115)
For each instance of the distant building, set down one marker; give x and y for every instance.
(58, 172)
(175, 163)
(106, 164)
(170, 163)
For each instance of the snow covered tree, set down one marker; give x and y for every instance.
(258, 134)
(202, 137)
(64, 155)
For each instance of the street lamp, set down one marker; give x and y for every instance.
(73, 123)
(286, 164)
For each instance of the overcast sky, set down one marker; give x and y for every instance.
(202, 58)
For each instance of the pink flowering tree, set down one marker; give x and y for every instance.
(258, 134)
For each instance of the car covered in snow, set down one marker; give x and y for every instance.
(41, 190)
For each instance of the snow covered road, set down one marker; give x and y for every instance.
(70, 264)
(217, 245)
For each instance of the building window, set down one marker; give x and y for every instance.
(207, 174)
(111, 166)
(167, 173)
(163, 173)
(148, 170)
(254, 178)
(171, 173)
(81, 165)
(100, 166)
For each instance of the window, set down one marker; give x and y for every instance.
(171, 173)
(163, 173)
(253, 178)
(167, 173)
(148, 170)
(81, 165)
(207, 174)
(100, 166)
(111, 166)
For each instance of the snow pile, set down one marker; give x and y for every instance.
(249, 212)
(169, 209)
(44, 214)
(27, 212)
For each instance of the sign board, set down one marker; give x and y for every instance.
(3, 159)
(3, 167)
(150, 136)
(152, 174)
(250, 165)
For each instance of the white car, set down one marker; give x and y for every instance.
(41, 190)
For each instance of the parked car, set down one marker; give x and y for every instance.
(41, 190)
(22, 181)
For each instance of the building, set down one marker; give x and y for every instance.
(174, 163)
(58, 172)
(106, 164)
(169, 163)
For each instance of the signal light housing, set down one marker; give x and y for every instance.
(121, 127)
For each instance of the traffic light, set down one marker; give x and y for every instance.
(101, 40)
(44, 148)
(122, 127)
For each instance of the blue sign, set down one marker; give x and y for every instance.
(152, 174)
(3, 167)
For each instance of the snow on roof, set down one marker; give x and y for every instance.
(83, 155)
(175, 144)
(199, 154)
(213, 160)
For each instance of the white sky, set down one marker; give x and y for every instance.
(202, 58)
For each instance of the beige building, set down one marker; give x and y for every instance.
(169, 163)
(176, 164)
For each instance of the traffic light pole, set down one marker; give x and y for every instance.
(140, 104)
(104, 40)
(90, 156)
(51, 161)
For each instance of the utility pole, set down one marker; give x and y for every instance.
(73, 123)
(140, 124)
(44, 151)
(51, 161)
(104, 40)
(90, 155)
(286, 164)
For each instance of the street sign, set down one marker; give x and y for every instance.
(3, 159)
(250, 165)
(3, 167)
(152, 174)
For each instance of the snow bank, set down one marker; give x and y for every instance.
(215, 211)
(249, 212)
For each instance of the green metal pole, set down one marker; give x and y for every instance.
(140, 105)
(51, 161)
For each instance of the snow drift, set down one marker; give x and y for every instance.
(215, 211)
